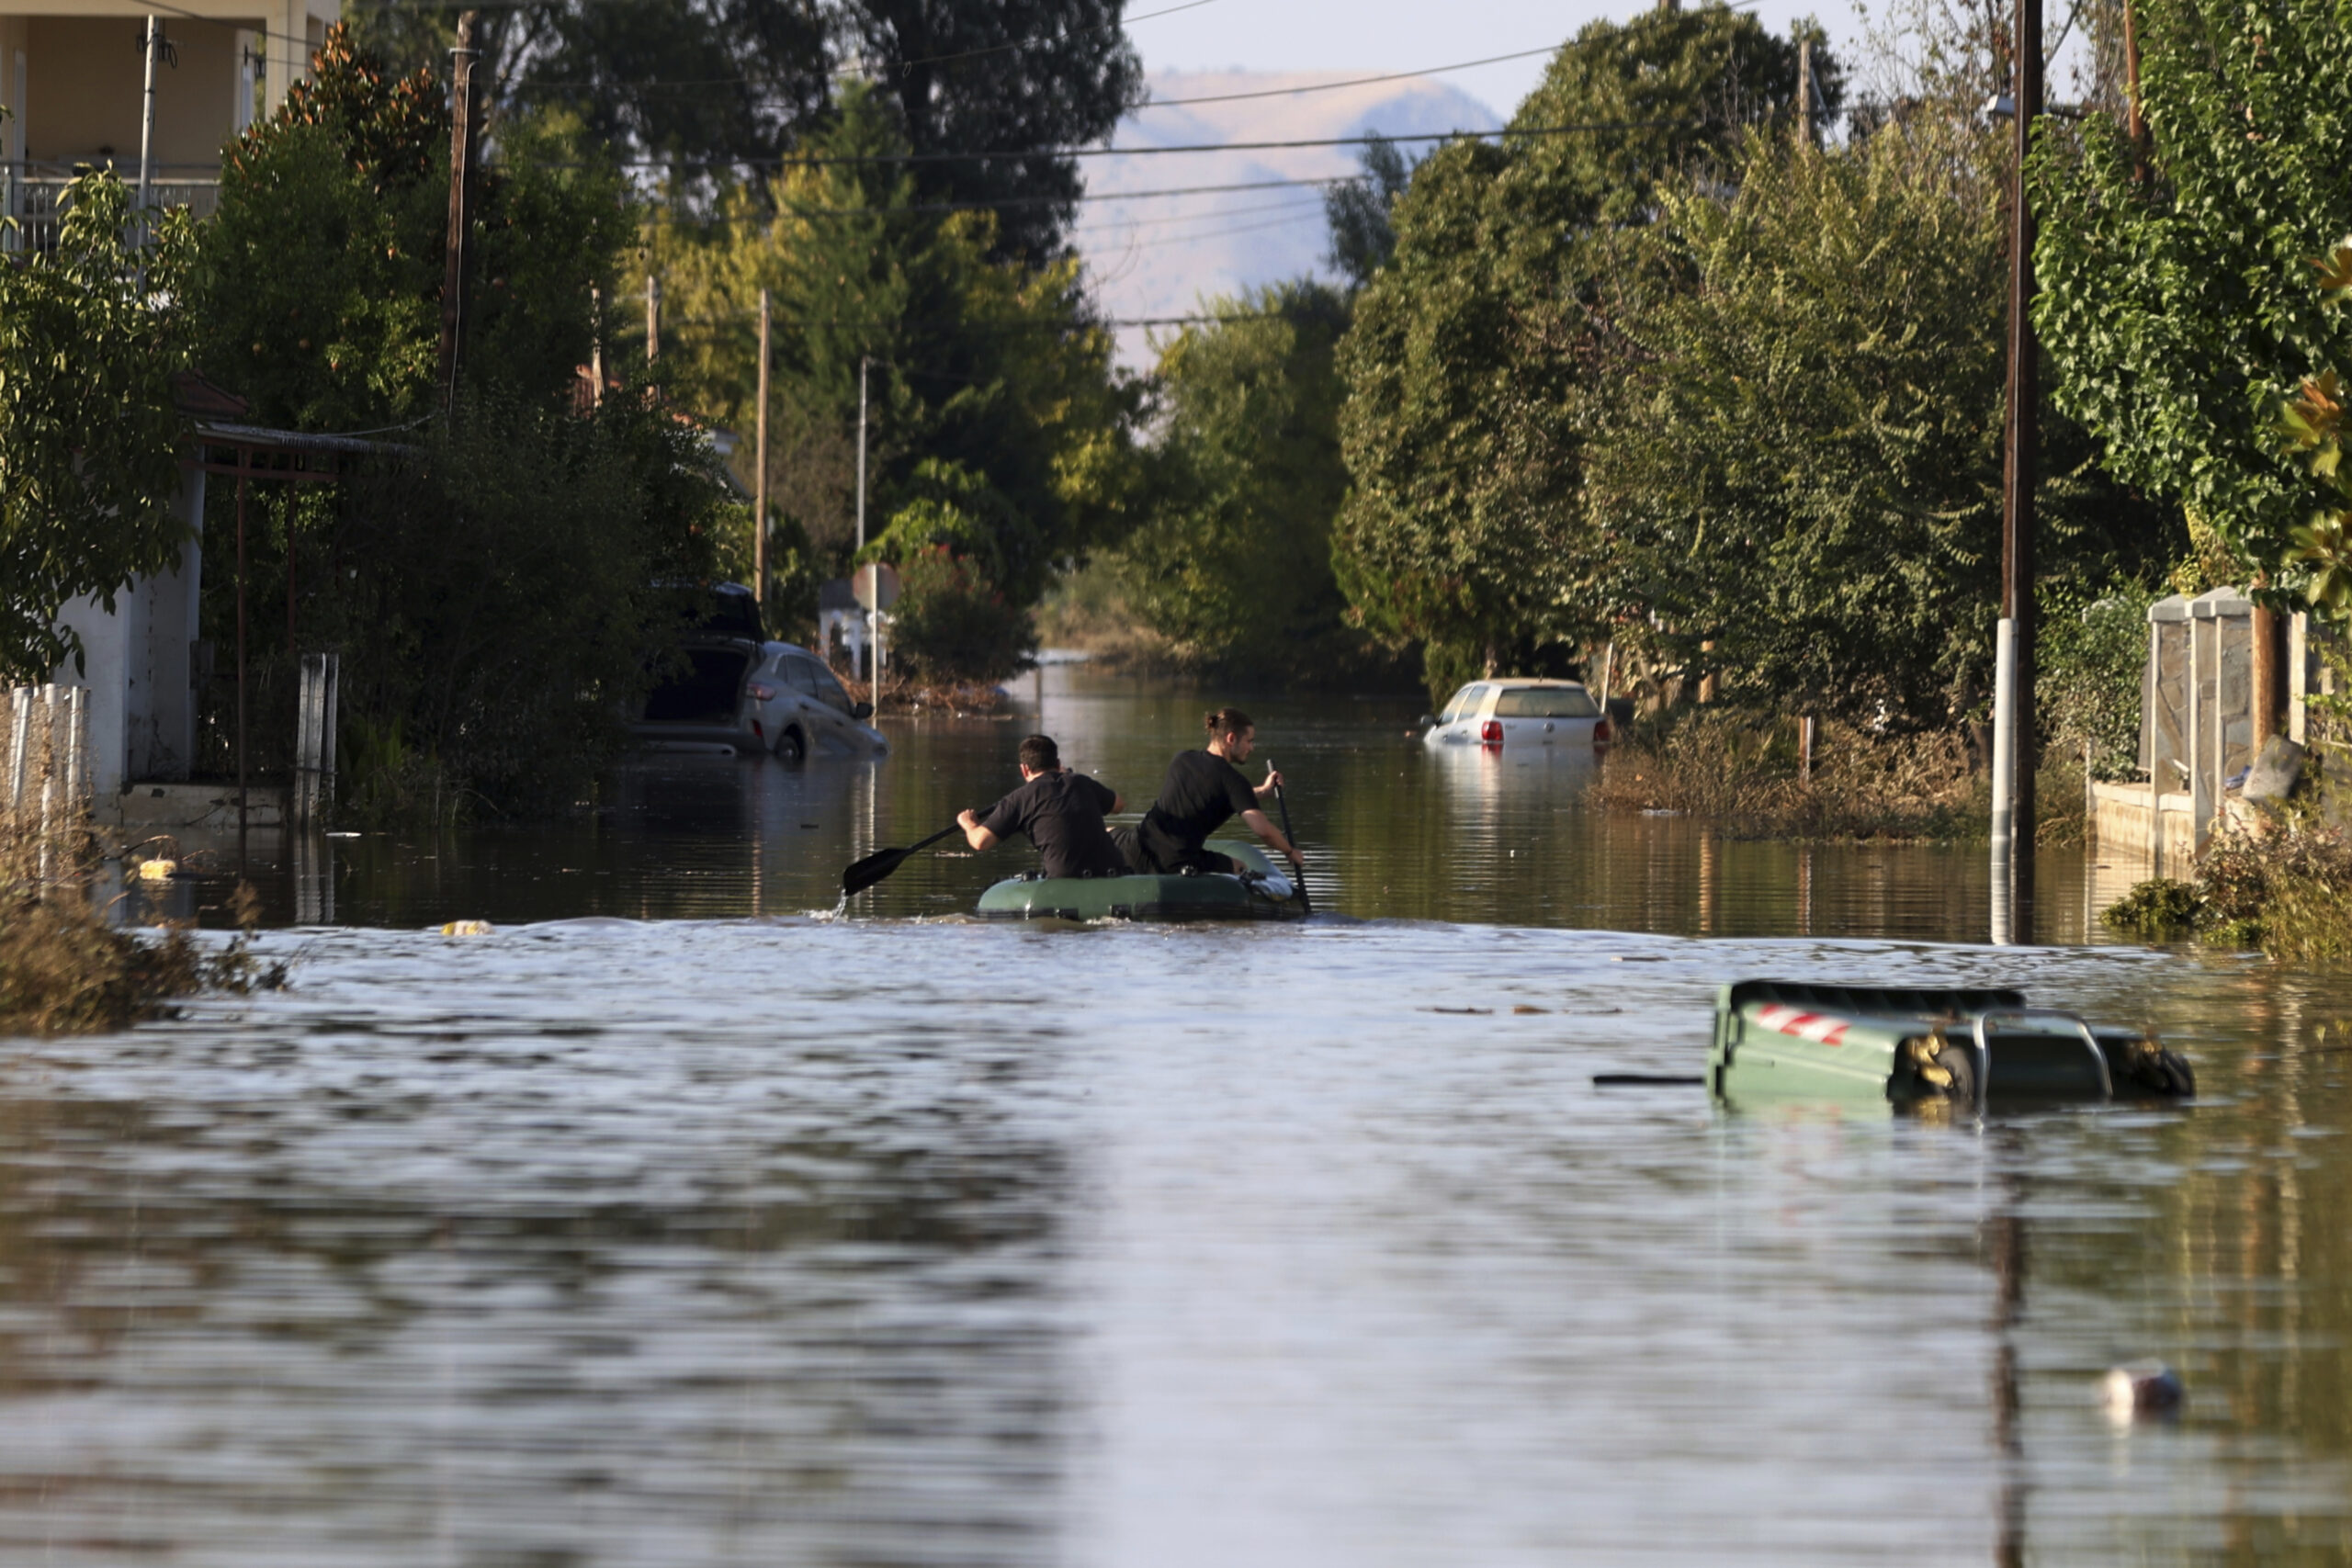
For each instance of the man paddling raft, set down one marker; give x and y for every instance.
(1061, 812)
(1202, 791)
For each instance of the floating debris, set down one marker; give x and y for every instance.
(467, 928)
(2140, 1390)
(1784, 1039)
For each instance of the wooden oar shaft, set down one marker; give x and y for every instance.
(1304, 901)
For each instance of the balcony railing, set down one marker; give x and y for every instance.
(29, 192)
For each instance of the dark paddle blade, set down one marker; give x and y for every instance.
(865, 874)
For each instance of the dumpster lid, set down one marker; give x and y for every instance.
(1872, 1001)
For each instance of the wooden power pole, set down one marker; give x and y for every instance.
(760, 476)
(463, 131)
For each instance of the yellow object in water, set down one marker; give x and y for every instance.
(467, 928)
(157, 870)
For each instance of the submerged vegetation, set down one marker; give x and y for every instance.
(2286, 889)
(1749, 780)
(66, 969)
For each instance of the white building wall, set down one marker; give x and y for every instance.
(136, 663)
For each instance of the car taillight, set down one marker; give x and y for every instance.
(1491, 732)
(1601, 735)
(759, 692)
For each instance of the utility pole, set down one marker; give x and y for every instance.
(463, 132)
(861, 452)
(652, 318)
(873, 617)
(595, 345)
(2013, 831)
(759, 480)
(1806, 130)
(147, 117)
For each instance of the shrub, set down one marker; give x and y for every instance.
(951, 624)
(2088, 660)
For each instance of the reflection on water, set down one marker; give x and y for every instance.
(1394, 831)
(761, 1239)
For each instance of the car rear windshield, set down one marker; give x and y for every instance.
(1545, 702)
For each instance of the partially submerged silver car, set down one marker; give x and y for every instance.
(1520, 713)
(741, 693)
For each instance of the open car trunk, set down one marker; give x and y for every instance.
(707, 692)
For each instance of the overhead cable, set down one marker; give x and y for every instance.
(937, 207)
(822, 161)
(1353, 82)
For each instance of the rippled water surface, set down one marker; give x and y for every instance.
(670, 1224)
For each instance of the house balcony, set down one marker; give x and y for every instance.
(72, 76)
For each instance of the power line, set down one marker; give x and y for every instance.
(1354, 82)
(937, 207)
(819, 161)
(1294, 205)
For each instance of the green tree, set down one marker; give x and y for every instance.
(90, 333)
(726, 84)
(2172, 309)
(317, 292)
(499, 592)
(1472, 351)
(2309, 424)
(1356, 212)
(1803, 465)
(996, 424)
(1231, 557)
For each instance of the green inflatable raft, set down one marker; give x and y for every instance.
(1260, 893)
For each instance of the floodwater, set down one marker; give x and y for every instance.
(677, 1222)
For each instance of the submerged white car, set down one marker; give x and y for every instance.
(798, 709)
(1520, 713)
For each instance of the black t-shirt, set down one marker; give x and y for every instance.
(1201, 793)
(1062, 814)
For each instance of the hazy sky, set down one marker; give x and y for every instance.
(1374, 36)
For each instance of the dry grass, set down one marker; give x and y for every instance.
(64, 969)
(1741, 774)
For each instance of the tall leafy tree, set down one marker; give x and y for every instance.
(1474, 349)
(997, 427)
(1802, 464)
(1231, 557)
(1356, 212)
(90, 331)
(2172, 308)
(731, 84)
(318, 288)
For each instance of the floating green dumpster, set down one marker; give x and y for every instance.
(1785, 1040)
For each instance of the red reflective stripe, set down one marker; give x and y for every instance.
(1785, 1020)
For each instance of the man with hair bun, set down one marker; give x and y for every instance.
(1202, 790)
(1061, 813)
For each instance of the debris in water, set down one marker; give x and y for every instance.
(467, 928)
(2138, 1390)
